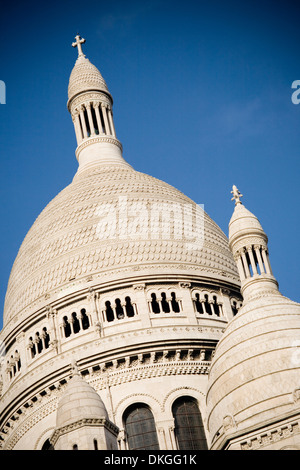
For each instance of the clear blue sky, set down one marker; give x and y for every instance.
(202, 100)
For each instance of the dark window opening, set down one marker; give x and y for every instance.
(46, 338)
(154, 304)
(76, 323)
(234, 308)
(129, 307)
(207, 305)
(198, 304)
(47, 445)
(67, 327)
(95, 124)
(119, 309)
(84, 319)
(39, 342)
(164, 303)
(109, 312)
(140, 428)
(87, 122)
(174, 303)
(216, 306)
(189, 429)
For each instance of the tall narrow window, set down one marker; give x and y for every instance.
(76, 324)
(119, 309)
(67, 327)
(155, 304)
(109, 311)
(129, 307)
(140, 428)
(207, 305)
(198, 304)
(164, 303)
(85, 322)
(189, 429)
(174, 303)
(216, 306)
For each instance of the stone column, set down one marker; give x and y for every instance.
(266, 261)
(103, 107)
(109, 111)
(98, 117)
(245, 263)
(77, 127)
(90, 118)
(226, 305)
(82, 119)
(142, 305)
(187, 302)
(240, 265)
(163, 434)
(21, 347)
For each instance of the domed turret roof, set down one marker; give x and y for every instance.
(79, 401)
(243, 222)
(85, 77)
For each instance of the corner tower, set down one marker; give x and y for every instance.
(253, 397)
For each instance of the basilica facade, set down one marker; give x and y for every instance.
(131, 322)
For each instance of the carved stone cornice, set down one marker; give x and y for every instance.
(97, 422)
(95, 140)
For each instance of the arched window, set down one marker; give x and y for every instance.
(46, 338)
(154, 304)
(109, 311)
(85, 322)
(189, 429)
(119, 309)
(76, 324)
(216, 306)
(140, 428)
(207, 305)
(164, 303)
(198, 304)
(47, 445)
(129, 307)
(174, 303)
(67, 327)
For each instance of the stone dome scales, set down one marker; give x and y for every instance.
(64, 244)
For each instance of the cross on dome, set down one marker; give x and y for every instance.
(236, 195)
(78, 43)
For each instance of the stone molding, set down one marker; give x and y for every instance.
(103, 422)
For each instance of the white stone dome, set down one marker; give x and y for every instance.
(63, 245)
(85, 77)
(79, 401)
(256, 368)
(243, 223)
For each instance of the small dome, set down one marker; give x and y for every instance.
(243, 222)
(255, 370)
(85, 77)
(79, 401)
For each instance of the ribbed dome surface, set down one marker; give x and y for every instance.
(256, 365)
(79, 401)
(65, 243)
(84, 77)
